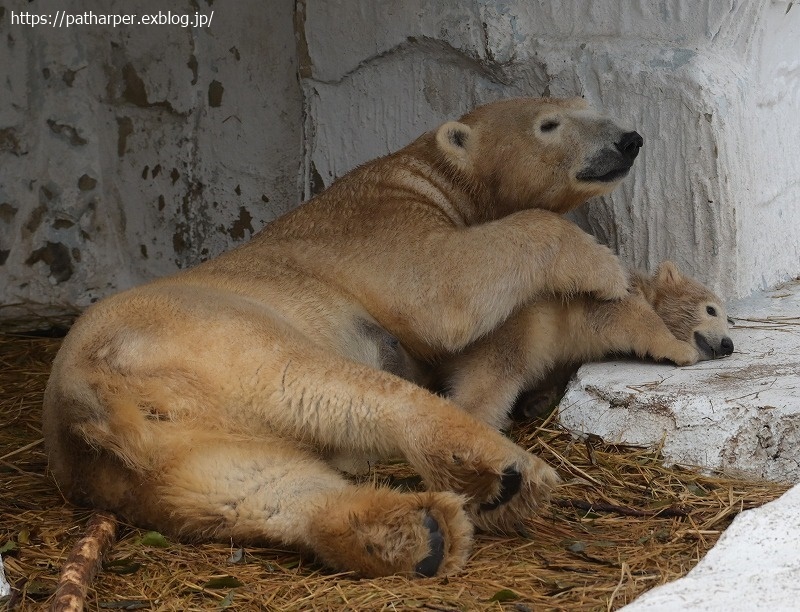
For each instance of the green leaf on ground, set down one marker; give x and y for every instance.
(223, 582)
(504, 595)
(153, 538)
(122, 567)
(8, 547)
(227, 602)
(24, 536)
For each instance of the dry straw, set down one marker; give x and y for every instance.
(621, 524)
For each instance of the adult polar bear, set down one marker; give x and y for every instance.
(204, 404)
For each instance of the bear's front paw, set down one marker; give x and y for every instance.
(503, 482)
(611, 278)
(606, 278)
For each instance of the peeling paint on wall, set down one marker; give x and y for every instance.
(128, 153)
(242, 224)
(215, 91)
(57, 258)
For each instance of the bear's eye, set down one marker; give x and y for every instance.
(549, 125)
(711, 311)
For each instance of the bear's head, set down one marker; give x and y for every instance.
(691, 311)
(538, 153)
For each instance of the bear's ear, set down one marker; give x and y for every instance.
(668, 274)
(578, 103)
(454, 140)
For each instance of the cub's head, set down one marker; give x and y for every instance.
(538, 153)
(690, 311)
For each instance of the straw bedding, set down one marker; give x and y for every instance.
(621, 524)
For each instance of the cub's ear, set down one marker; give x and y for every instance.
(668, 274)
(454, 140)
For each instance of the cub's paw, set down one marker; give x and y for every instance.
(524, 488)
(680, 353)
(379, 532)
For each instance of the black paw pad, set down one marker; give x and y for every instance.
(430, 564)
(510, 483)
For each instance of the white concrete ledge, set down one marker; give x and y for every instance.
(740, 415)
(754, 566)
(5, 588)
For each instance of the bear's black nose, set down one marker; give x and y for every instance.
(629, 145)
(726, 345)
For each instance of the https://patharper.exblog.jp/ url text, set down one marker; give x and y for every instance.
(69, 19)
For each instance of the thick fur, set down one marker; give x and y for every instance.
(206, 404)
(667, 316)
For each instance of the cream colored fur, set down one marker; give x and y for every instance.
(661, 318)
(206, 404)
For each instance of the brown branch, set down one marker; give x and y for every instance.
(590, 507)
(82, 564)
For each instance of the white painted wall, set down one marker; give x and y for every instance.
(713, 85)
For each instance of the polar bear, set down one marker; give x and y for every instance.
(204, 404)
(666, 316)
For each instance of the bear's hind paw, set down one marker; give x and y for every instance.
(377, 532)
(522, 493)
(428, 567)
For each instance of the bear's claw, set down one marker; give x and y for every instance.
(510, 483)
(430, 564)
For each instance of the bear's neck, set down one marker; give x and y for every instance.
(472, 196)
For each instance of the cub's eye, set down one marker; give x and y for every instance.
(549, 125)
(711, 311)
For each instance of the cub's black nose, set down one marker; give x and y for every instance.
(629, 145)
(726, 345)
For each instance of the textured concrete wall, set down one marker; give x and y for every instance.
(129, 152)
(126, 153)
(713, 85)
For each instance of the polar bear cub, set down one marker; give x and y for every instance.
(666, 316)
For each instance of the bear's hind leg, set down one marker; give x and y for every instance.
(270, 491)
(336, 404)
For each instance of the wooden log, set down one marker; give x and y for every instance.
(83, 562)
